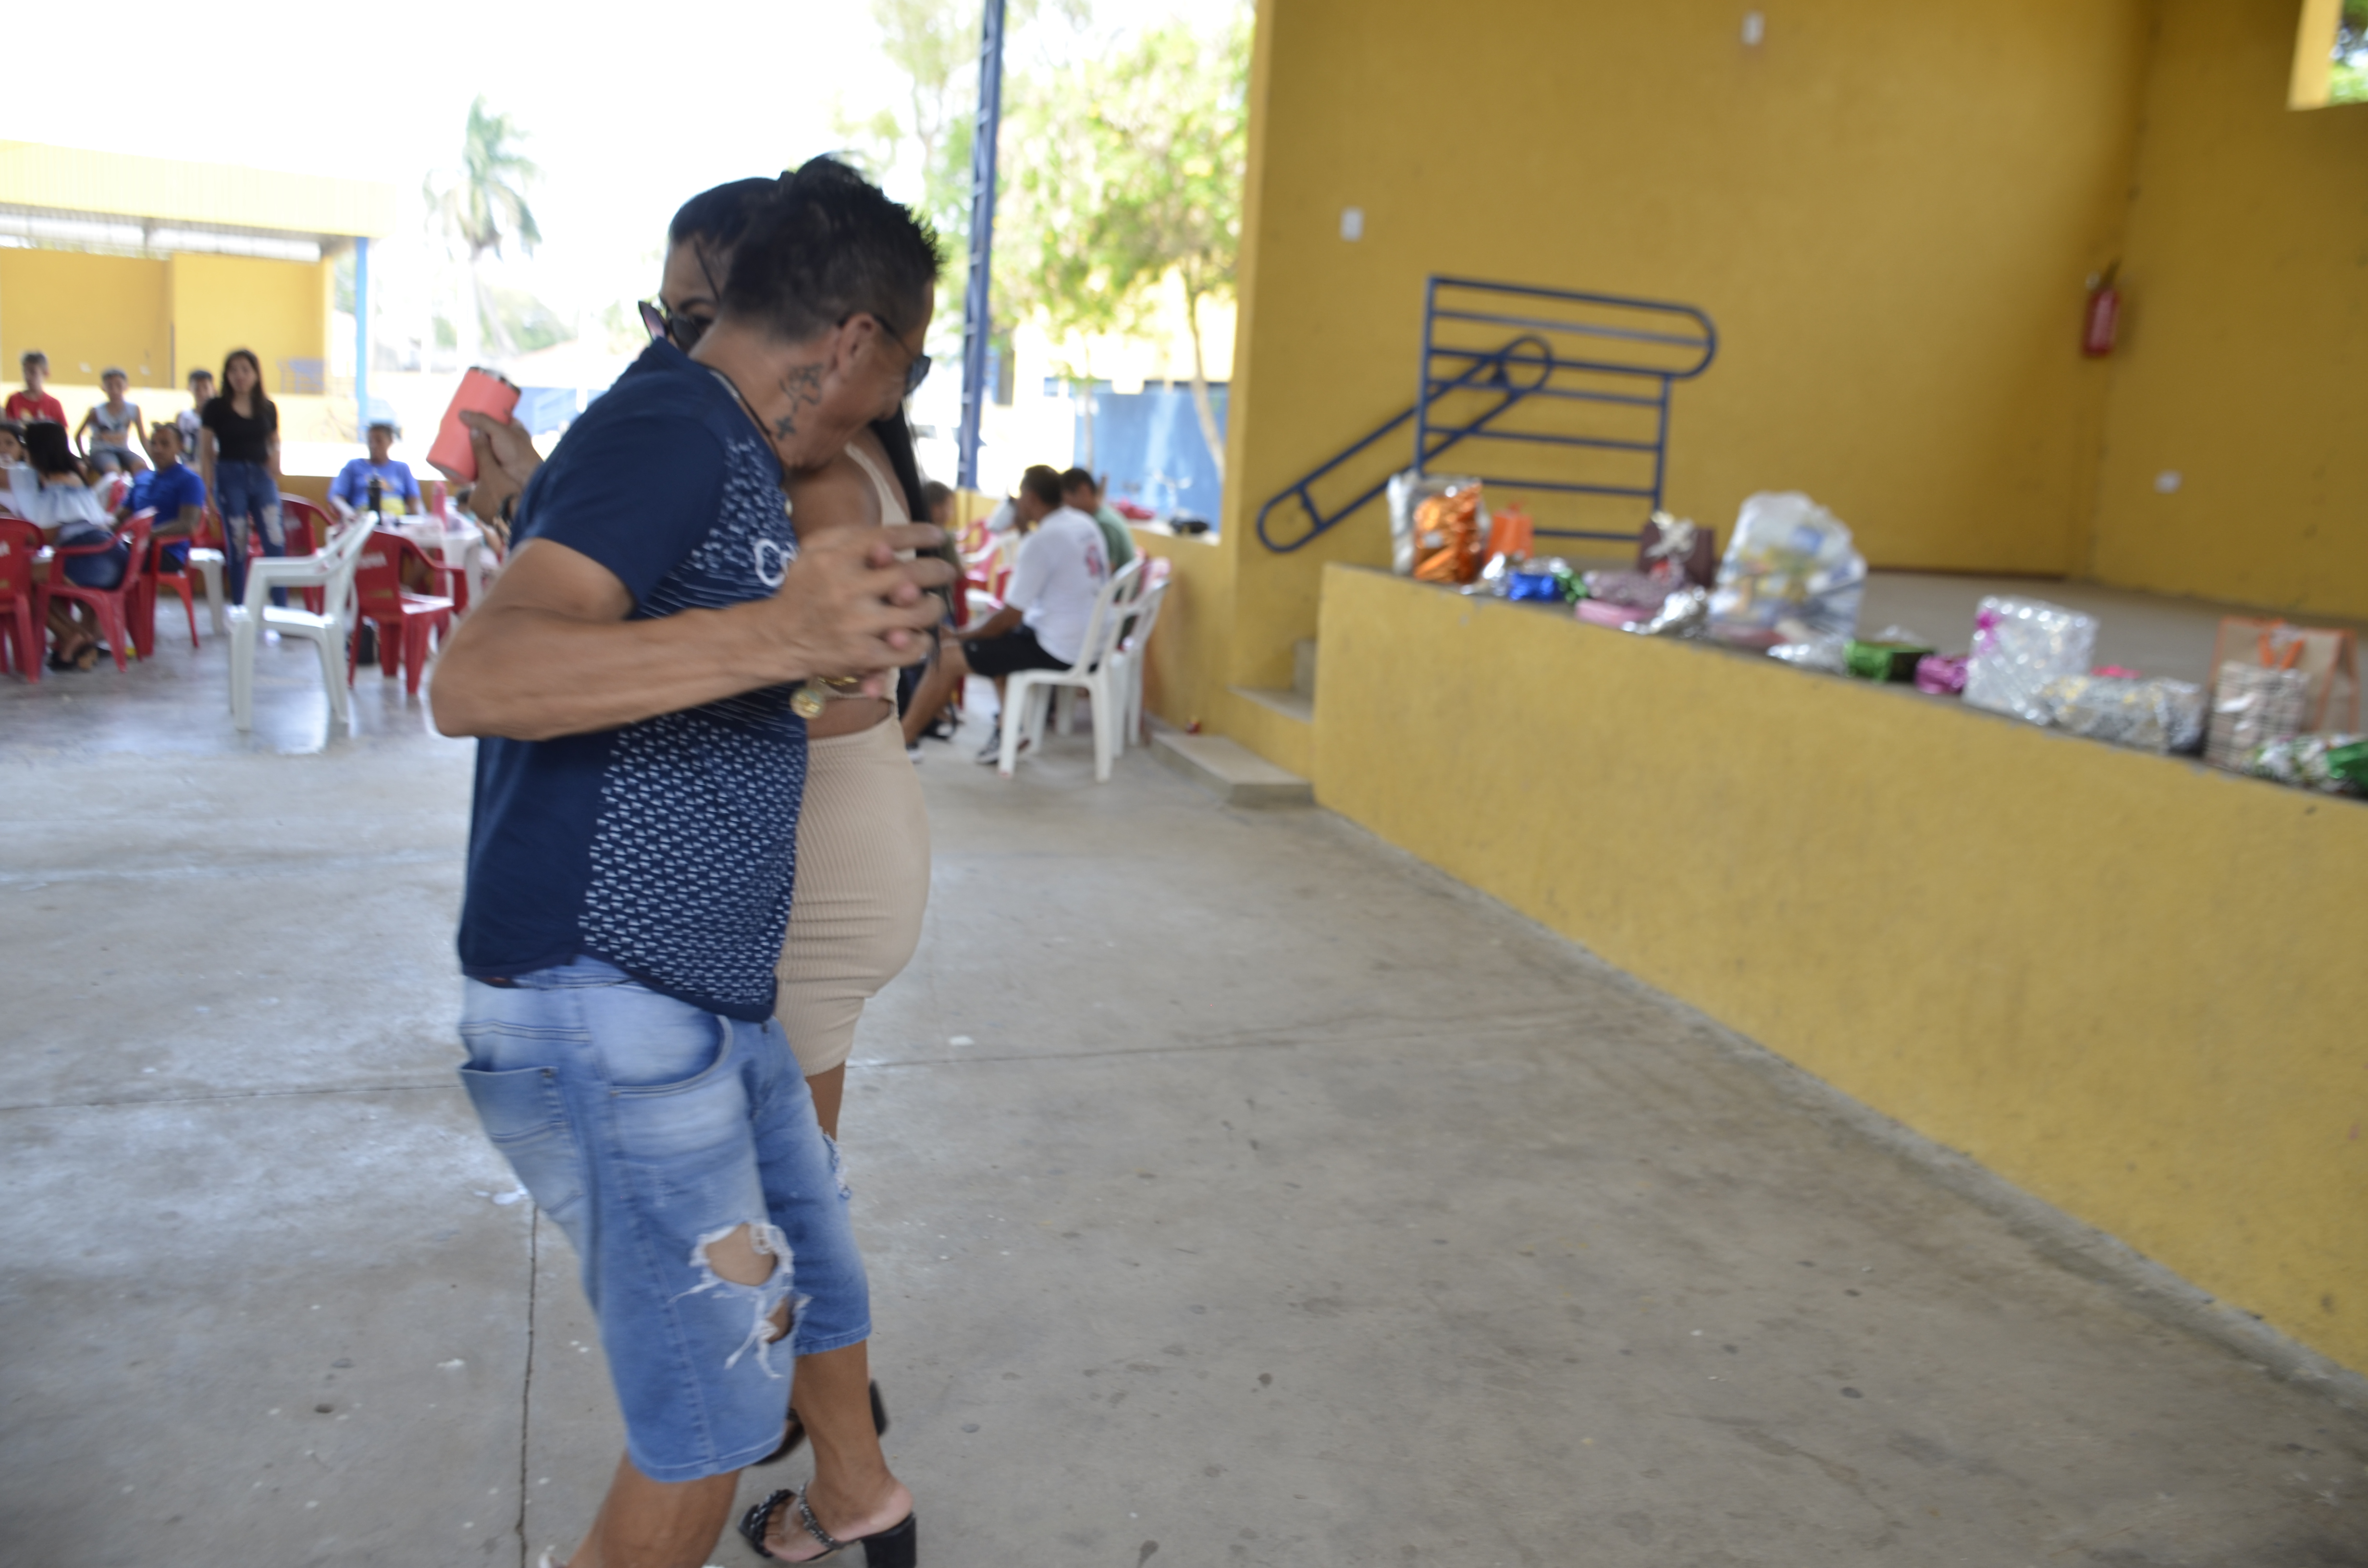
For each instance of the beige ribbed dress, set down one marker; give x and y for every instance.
(862, 875)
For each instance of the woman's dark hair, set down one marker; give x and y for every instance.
(11, 427)
(826, 245)
(48, 450)
(232, 358)
(717, 218)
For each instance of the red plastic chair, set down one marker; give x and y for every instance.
(115, 605)
(306, 529)
(163, 576)
(404, 620)
(20, 624)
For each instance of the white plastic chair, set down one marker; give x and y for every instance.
(1029, 692)
(331, 569)
(1134, 647)
(205, 564)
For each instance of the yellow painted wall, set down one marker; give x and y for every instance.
(1891, 212)
(88, 314)
(2130, 986)
(2246, 343)
(279, 309)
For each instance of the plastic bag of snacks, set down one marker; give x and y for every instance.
(2336, 764)
(1789, 573)
(2018, 646)
(2152, 715)
(1439, 527)
(2253, 706)
(2327, 656)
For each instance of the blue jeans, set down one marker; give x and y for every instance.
(245, 493)
(649, 1130)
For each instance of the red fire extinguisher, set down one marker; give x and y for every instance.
(2104, 314)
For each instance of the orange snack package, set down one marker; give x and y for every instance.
(1447, 547)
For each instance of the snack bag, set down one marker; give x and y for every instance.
(1439, 527)
(1791, 561)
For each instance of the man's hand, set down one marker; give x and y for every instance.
(505, 460)
(849, 606)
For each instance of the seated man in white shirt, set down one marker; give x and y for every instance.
(1062, 567)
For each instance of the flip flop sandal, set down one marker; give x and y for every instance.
(898, 1546)
(794, 1432)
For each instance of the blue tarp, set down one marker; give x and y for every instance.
(1150, 445)
(544, 409)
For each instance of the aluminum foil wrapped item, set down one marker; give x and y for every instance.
(2336, 764)
(1685, 613)
(2018, 646)
(1789, 560)
(1822, 652)
(1439, 527)
(2151, 715)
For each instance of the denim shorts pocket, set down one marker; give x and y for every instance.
(677, 1123)
(525, 1114)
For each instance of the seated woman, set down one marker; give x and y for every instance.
(398, 491)
(52, 490)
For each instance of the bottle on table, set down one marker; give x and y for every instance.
(376, 499)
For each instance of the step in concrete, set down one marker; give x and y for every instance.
(1296, 705)
(1231, 771)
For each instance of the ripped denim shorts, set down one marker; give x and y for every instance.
(647, 1129)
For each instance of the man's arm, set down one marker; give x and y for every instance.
(550, 652)
(1002, 623)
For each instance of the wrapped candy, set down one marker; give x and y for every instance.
(1818, 651)
(1685, 613)
(2018, 646)
(1942, 674)
(2151, 715)
(2337, 765)
(1891, 655)
(1789, 560)
(1439, 527)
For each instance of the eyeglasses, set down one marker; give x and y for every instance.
(915, 373)
(682, 331)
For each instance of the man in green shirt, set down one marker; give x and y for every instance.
(1078, 490)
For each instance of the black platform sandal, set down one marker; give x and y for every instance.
(794, 1432)
(898, 1546)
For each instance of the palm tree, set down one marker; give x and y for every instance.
(480, 205)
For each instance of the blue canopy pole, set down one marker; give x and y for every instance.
(977, 323)
(362, 337)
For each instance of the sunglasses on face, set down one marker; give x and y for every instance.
(918, 370)
(682, 331)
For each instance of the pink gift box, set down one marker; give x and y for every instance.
(1603, 612)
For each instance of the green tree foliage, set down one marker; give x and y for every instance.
(2348, 82)
(1170, 139)
(482, 205)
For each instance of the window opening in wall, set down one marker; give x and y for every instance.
(2331, 54)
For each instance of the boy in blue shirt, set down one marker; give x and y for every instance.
(174, 489)
(398, 492)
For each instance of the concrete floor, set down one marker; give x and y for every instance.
(1235, 1191)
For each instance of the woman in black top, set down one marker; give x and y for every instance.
(240, 462)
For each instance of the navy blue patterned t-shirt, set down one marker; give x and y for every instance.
(668, 847)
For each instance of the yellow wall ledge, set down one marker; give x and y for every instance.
(2130, 985)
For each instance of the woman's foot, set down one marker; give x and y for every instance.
(802, 1527)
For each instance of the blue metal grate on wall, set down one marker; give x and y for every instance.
(1550, 393)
